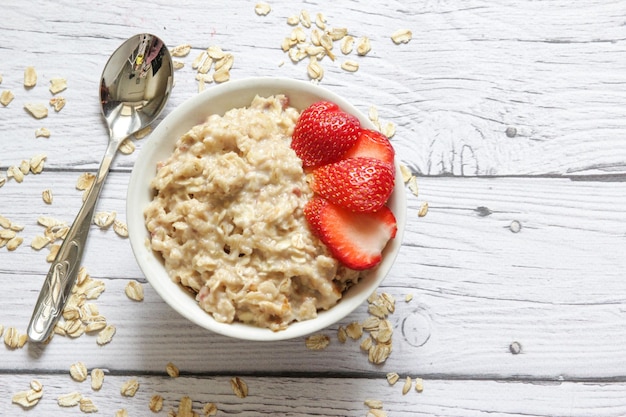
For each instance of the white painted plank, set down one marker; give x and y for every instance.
(555, 287)
(289, 396)
(551, 70)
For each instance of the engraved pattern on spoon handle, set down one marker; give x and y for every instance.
(61, 277)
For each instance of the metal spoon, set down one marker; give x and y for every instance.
(135, 85)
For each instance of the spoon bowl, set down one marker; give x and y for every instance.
(135, 85)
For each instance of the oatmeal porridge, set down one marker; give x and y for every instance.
(227, 218)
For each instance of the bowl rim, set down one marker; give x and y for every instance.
(179, 121)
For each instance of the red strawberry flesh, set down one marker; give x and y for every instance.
(372, 144)
(323, 134)
(357, 184)
(357, 240)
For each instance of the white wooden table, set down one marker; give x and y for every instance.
(508, 111)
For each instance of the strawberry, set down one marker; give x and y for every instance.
(355, 239)
(323, 134)
(372, 144)
(357, 184)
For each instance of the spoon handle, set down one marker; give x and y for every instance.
(63, 272)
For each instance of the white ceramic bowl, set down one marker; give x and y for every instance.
(217, 100)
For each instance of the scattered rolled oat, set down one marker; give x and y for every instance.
(407, 385)
(106, 335)
(15, 173)
(172, 370)
(104, 219)
(354, 330)
(35, 385)
(423, 209)
(126, 147)
(406, 173)
(185, 407)
(315, 70)
(379, 353)
(120, 228)
(177, 64)
(408, 298)
(85, 181)
(30, 77)
(12, 338)
(57, 85)
(367, 344)
(46, 196)
(209, 409)
(27, 399)
(342, 335)
(239, 387)
(181, 50)
(86, 405)
(57, 103)
(78, 372)
(37, 110)
(347, 44)
(375, 412)
(97, 378)
(129, 388)
(350, 66)
(419, 385)
(363, 46)
(6, 97)
(121, 413)
(156, 403)
(262, 9)
(371, 403)
(14, 243)
(69, 400)
(42, 132)
(134, 290)
(401, 36)
(54, 250)
(317, 342)
(392, 378)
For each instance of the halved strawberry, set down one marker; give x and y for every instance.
(358, 184)
(323, 134)
(356, 240)
(372, 144)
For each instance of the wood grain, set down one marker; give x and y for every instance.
(552, 71)
(507, 111)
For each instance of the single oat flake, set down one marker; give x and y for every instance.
(129, 388)
(106, 335)
(37, 110)
(30, 77)
(57, 85)
(78, 372)
(262, 9)
(42, 132)
(97, 378)
(239, 387)
(156, 403)
(86, 405)
(401, 36)
(69, 400)
(317, 342)
(172, 370)
(6, 97)
(181, 50)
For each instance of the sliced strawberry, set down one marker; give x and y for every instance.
(358, 184)
(323, 134)
(356, 240)
(372, 144)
